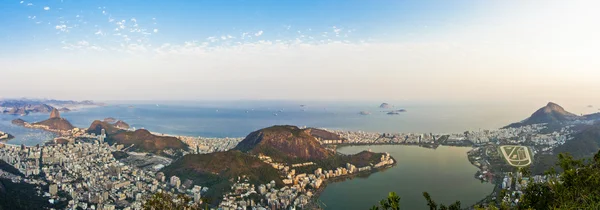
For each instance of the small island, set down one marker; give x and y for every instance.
(385, 106)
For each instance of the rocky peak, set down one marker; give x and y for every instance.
(55, 113)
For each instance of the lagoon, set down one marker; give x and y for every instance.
(445, 173)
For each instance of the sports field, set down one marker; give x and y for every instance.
(517, 156)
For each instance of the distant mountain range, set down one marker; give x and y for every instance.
(552, 114)
(26, 106)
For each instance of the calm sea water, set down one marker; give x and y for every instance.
(238, 118)
(445, 173)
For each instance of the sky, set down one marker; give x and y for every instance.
(389, 50)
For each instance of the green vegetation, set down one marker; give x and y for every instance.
(392, 202)
(24, 196)
(583, 145)
(575, 188)
(218, 170)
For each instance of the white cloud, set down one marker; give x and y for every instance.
(155, 30)
(259, 33)
(337, 31)
(99, 32)
(21, 2)
(29, 4)
(62, 28)
(46, 8)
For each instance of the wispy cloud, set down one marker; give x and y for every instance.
(62, 28)
(259, 33)
(46, 8)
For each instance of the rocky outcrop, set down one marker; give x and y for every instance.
(55, 113)
(110, 120)
(284, 142)
(122, 125)
(97, 126)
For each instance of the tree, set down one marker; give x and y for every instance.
(575, 188)
(391, 203)
(164, 201)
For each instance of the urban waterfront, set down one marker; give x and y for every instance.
(444, 172)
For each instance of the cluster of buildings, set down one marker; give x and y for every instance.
(361, 137)
(298, 190)
(515, 183)
(87, 176)
(203, 145)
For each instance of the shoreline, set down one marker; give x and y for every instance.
(315, 201)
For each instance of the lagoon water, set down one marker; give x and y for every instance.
(445, 173)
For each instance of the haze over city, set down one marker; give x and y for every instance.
(301, 50)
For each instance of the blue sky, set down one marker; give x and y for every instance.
(442, 50)
(35, 25)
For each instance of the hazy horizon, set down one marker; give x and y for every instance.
(529, 52)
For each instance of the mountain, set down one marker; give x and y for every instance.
(109, 120)
(283, 143)
(60, 124)
(121, 124)
(97, 126)
(218, 170)
(55, 113)
(55, 122)
(24, 107)
(143, 140)
(551, 114)
(323, 134)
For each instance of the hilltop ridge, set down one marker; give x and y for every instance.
(284, 142)
(552, 113)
